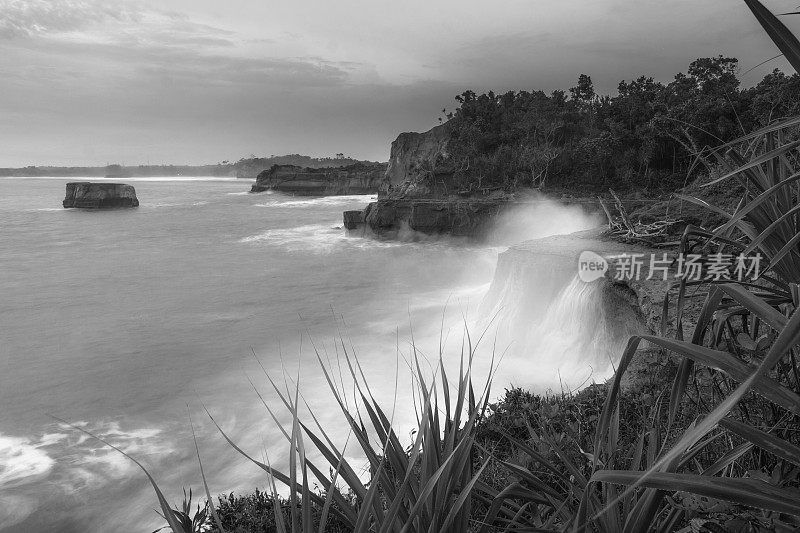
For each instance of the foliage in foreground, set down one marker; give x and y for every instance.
(255, 512)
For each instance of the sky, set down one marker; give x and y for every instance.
(92, 82)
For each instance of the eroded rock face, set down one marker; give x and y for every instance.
(413, 158)
(419, 192)
(100, 195)
(353, 179)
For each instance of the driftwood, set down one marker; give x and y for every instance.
(621, 227)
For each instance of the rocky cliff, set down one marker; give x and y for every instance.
(100, 195)
(415, 160)
(420, 192)
(250, 168)
(467, 217)
(360, 178)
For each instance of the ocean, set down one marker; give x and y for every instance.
(129, 322)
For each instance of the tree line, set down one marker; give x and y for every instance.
(649, 135)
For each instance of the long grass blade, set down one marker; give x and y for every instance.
(166, 509)
(744, 491)
(210, 500)
(769, 443)
(784, 39)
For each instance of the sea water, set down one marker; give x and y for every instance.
(129, 322)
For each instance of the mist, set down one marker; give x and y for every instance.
(538, 216)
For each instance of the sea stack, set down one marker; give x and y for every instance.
(100, 195)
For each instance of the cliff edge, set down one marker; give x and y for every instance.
(420, 191)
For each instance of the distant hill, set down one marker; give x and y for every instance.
(245, 168)
(250, 168)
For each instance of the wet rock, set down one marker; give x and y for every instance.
(100, 195)
(459, 217)
(353, 219)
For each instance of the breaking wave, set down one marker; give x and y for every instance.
(68, 461)
(319, 238)
(279, 200)
(22, 461)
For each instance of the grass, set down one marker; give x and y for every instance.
(717, 450)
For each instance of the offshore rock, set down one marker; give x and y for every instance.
(100, 195)
(360, 178)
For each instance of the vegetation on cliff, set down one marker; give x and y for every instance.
(648, 135)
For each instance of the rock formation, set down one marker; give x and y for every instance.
(360, 178)
(419, 191)
(100, 195)
(353, 219)
(413, 158)
(460, 217)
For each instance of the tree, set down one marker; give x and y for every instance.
(584, 91)
(775, 97)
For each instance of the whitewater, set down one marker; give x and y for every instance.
(124, 322)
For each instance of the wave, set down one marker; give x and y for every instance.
(94, 463)
(15, 508)
(320, 238)
(160, 204)
(326, 200)
(22, 461)
(26, 459)
(69, 461)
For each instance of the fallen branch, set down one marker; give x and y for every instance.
(622, 228)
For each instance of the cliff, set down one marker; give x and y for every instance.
(252, 167)
(359, 178)
(415, 161)
(463, 217)
(100, 195)
(420, 192)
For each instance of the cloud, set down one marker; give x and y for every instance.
(20, 18)
(130, 44)
(188, 80)
(133, 82)
(105, 22)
